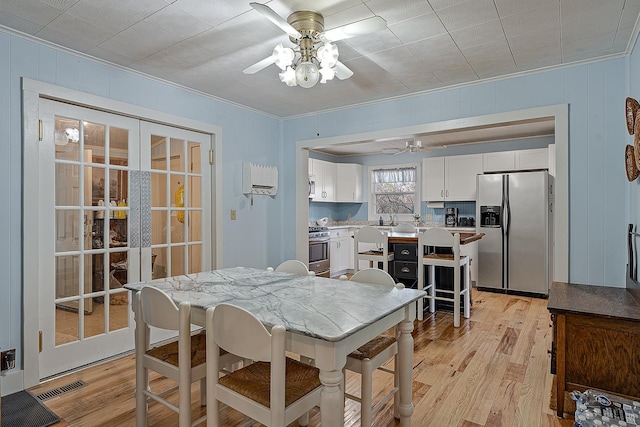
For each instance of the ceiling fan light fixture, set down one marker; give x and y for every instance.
(288, 77)
(307, 74)
(283, 56)
(328, 55)
(327, 74)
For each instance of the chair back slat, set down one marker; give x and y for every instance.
(158, 310)
(368, 234)
(439, 237)
(293, 266)
(374, 276)
(404, 227)
(240, 333)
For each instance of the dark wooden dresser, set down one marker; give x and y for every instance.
(596, 340)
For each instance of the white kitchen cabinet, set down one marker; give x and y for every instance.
(500, 161)
(537, 158)
(451, 178)
(516, 160)
(325, 174)
(339, 249)
(433, 178)
(348, 182)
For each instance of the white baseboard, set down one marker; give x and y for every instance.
(11, 383)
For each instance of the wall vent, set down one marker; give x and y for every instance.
(60, 390)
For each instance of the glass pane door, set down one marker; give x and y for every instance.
(180, 200)
(87, 158)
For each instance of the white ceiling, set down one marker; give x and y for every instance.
(542, 127)
(205, 44)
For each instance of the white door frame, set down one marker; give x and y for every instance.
(559, 112)
(32, 91)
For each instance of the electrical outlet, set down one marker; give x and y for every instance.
(349, 215)
(8, 359)
(428, 217)
(233, 214)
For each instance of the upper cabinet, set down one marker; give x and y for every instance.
(507, 161)
(451, 178)
(325, 175)
(348, 182)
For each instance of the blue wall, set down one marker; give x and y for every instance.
(597, 185)
(264, 233)
(254, 239)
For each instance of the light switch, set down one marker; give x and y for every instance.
(428, 217)
(233, 214)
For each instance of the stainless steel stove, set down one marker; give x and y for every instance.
(319, 251)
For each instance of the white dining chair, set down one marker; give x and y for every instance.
(293, 266)
(373, 355)
(371, 235)
(438, 237)
(404, 227)
(275, 390)
(182, 360)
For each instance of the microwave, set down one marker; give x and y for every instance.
(312, 186)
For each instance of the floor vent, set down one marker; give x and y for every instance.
(61, 390)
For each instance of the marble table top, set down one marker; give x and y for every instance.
(323, 308)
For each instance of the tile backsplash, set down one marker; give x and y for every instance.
(437, 214)
(360, 211)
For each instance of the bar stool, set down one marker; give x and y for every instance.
(439, 237)
(368, 234)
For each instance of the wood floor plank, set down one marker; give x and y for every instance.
(493, 371)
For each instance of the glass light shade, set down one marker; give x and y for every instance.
(328, 55)
(327, 74)
(307, 74)
(60, 139)
(288, 77)
(283, 56)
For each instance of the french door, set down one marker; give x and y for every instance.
(120, 200)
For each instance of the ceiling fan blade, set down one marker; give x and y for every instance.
(260, 65)
(268, 13)
(342, 71)
(358, 28)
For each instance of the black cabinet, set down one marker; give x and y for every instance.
(405, 271)
(405, 263)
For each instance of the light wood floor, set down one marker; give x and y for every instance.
(492, 371)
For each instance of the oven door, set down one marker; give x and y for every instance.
(318, 251)
(319, 258)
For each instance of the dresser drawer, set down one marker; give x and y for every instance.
(405, 270)
(405, 252)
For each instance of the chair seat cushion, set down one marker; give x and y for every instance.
(372, 348)
(253, 381)
(169, 352)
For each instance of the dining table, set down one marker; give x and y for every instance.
(326, 319)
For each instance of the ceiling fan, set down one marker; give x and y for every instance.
(411, 146)
(314, 56)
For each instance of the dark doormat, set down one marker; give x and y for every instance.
(22, 409)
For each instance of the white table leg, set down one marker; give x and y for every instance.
(331, 399)
(142, 377)
(405, 369)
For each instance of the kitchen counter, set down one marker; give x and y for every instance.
(388, 227)
(465, 237)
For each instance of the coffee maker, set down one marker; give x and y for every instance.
(451, 217)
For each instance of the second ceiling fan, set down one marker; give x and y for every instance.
(314, 56)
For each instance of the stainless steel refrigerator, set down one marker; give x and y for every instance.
(512, 210)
